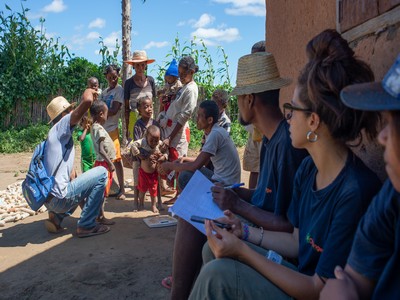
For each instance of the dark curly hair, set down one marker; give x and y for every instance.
(331, 67)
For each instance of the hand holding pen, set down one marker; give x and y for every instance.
(233, 186)
(225, 197)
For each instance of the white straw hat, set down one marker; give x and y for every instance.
(57, 106)
(258, 73)
(138, 57)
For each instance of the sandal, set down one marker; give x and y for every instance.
(105, 221)
(51, 224)
(167, 282)
(98, 229)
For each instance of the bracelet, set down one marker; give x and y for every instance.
(261, 236)
(245, 236)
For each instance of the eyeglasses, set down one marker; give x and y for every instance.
(288, 109)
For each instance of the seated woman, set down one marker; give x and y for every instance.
(372, 270)
(332, 190)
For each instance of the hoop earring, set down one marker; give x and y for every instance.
(312, 137)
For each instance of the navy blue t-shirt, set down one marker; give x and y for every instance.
(376, 248)
(278, 166)
(327, 219)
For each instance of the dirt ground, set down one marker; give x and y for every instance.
(128, 262)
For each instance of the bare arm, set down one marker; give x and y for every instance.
(200, 160)
(105, 156)
(114, 109)
(227, 199)
(348, 285)
(83, 135)
(88, 96)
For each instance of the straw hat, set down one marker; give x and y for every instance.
(138, 57)
(258, 73)
(57, 106)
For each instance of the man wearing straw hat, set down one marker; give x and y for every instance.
(67, 194)
(257, 87)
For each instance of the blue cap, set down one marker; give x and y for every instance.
(383, 95)
(172, 69)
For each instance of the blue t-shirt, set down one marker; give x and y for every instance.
(376, 248)
(278, 165)
(327, 219)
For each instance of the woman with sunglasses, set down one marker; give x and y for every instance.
(332, 190)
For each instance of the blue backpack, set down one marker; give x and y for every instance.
(38, 183)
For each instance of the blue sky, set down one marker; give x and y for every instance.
(233, 24)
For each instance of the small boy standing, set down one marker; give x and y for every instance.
(88, 154)
(150, 151)
(103, 144)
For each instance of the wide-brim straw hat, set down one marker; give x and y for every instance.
(258, 73)
(57, 106)
(138, 57)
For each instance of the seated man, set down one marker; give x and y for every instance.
(258, 84)
(218, 148)
(88, 188)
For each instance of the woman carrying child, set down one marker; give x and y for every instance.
(181, 110)
(372, 270)
(332, 190)
(113, 96)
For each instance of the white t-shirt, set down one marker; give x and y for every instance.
(58, 140)
(109, 96)
(224, 156)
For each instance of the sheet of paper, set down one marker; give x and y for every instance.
(195, 200)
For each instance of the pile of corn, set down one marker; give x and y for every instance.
(13, 206)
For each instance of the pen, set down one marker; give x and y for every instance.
(233, 186)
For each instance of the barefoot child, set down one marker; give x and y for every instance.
(149, 152)
(88, 155)
(145, 109)
(103, 145)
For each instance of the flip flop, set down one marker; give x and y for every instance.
(167, 282)
(98, 229)
(105, 221)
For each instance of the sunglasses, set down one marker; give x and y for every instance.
(288, 109)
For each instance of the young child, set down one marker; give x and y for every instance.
(149, 150)
(93, 83)
(103, 144)
(145, 109)
(170, 89)
(88, 155)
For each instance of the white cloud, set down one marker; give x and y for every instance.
(204, 21)
(79, 27)
(181, 23)
(97, 23)
(213, 35)
(153, 44)
(244, 7)
(109, 40)
(56, 6)
(93, 35)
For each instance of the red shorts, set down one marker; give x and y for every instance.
(148, 182)
(110, 175)
(187, 131)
